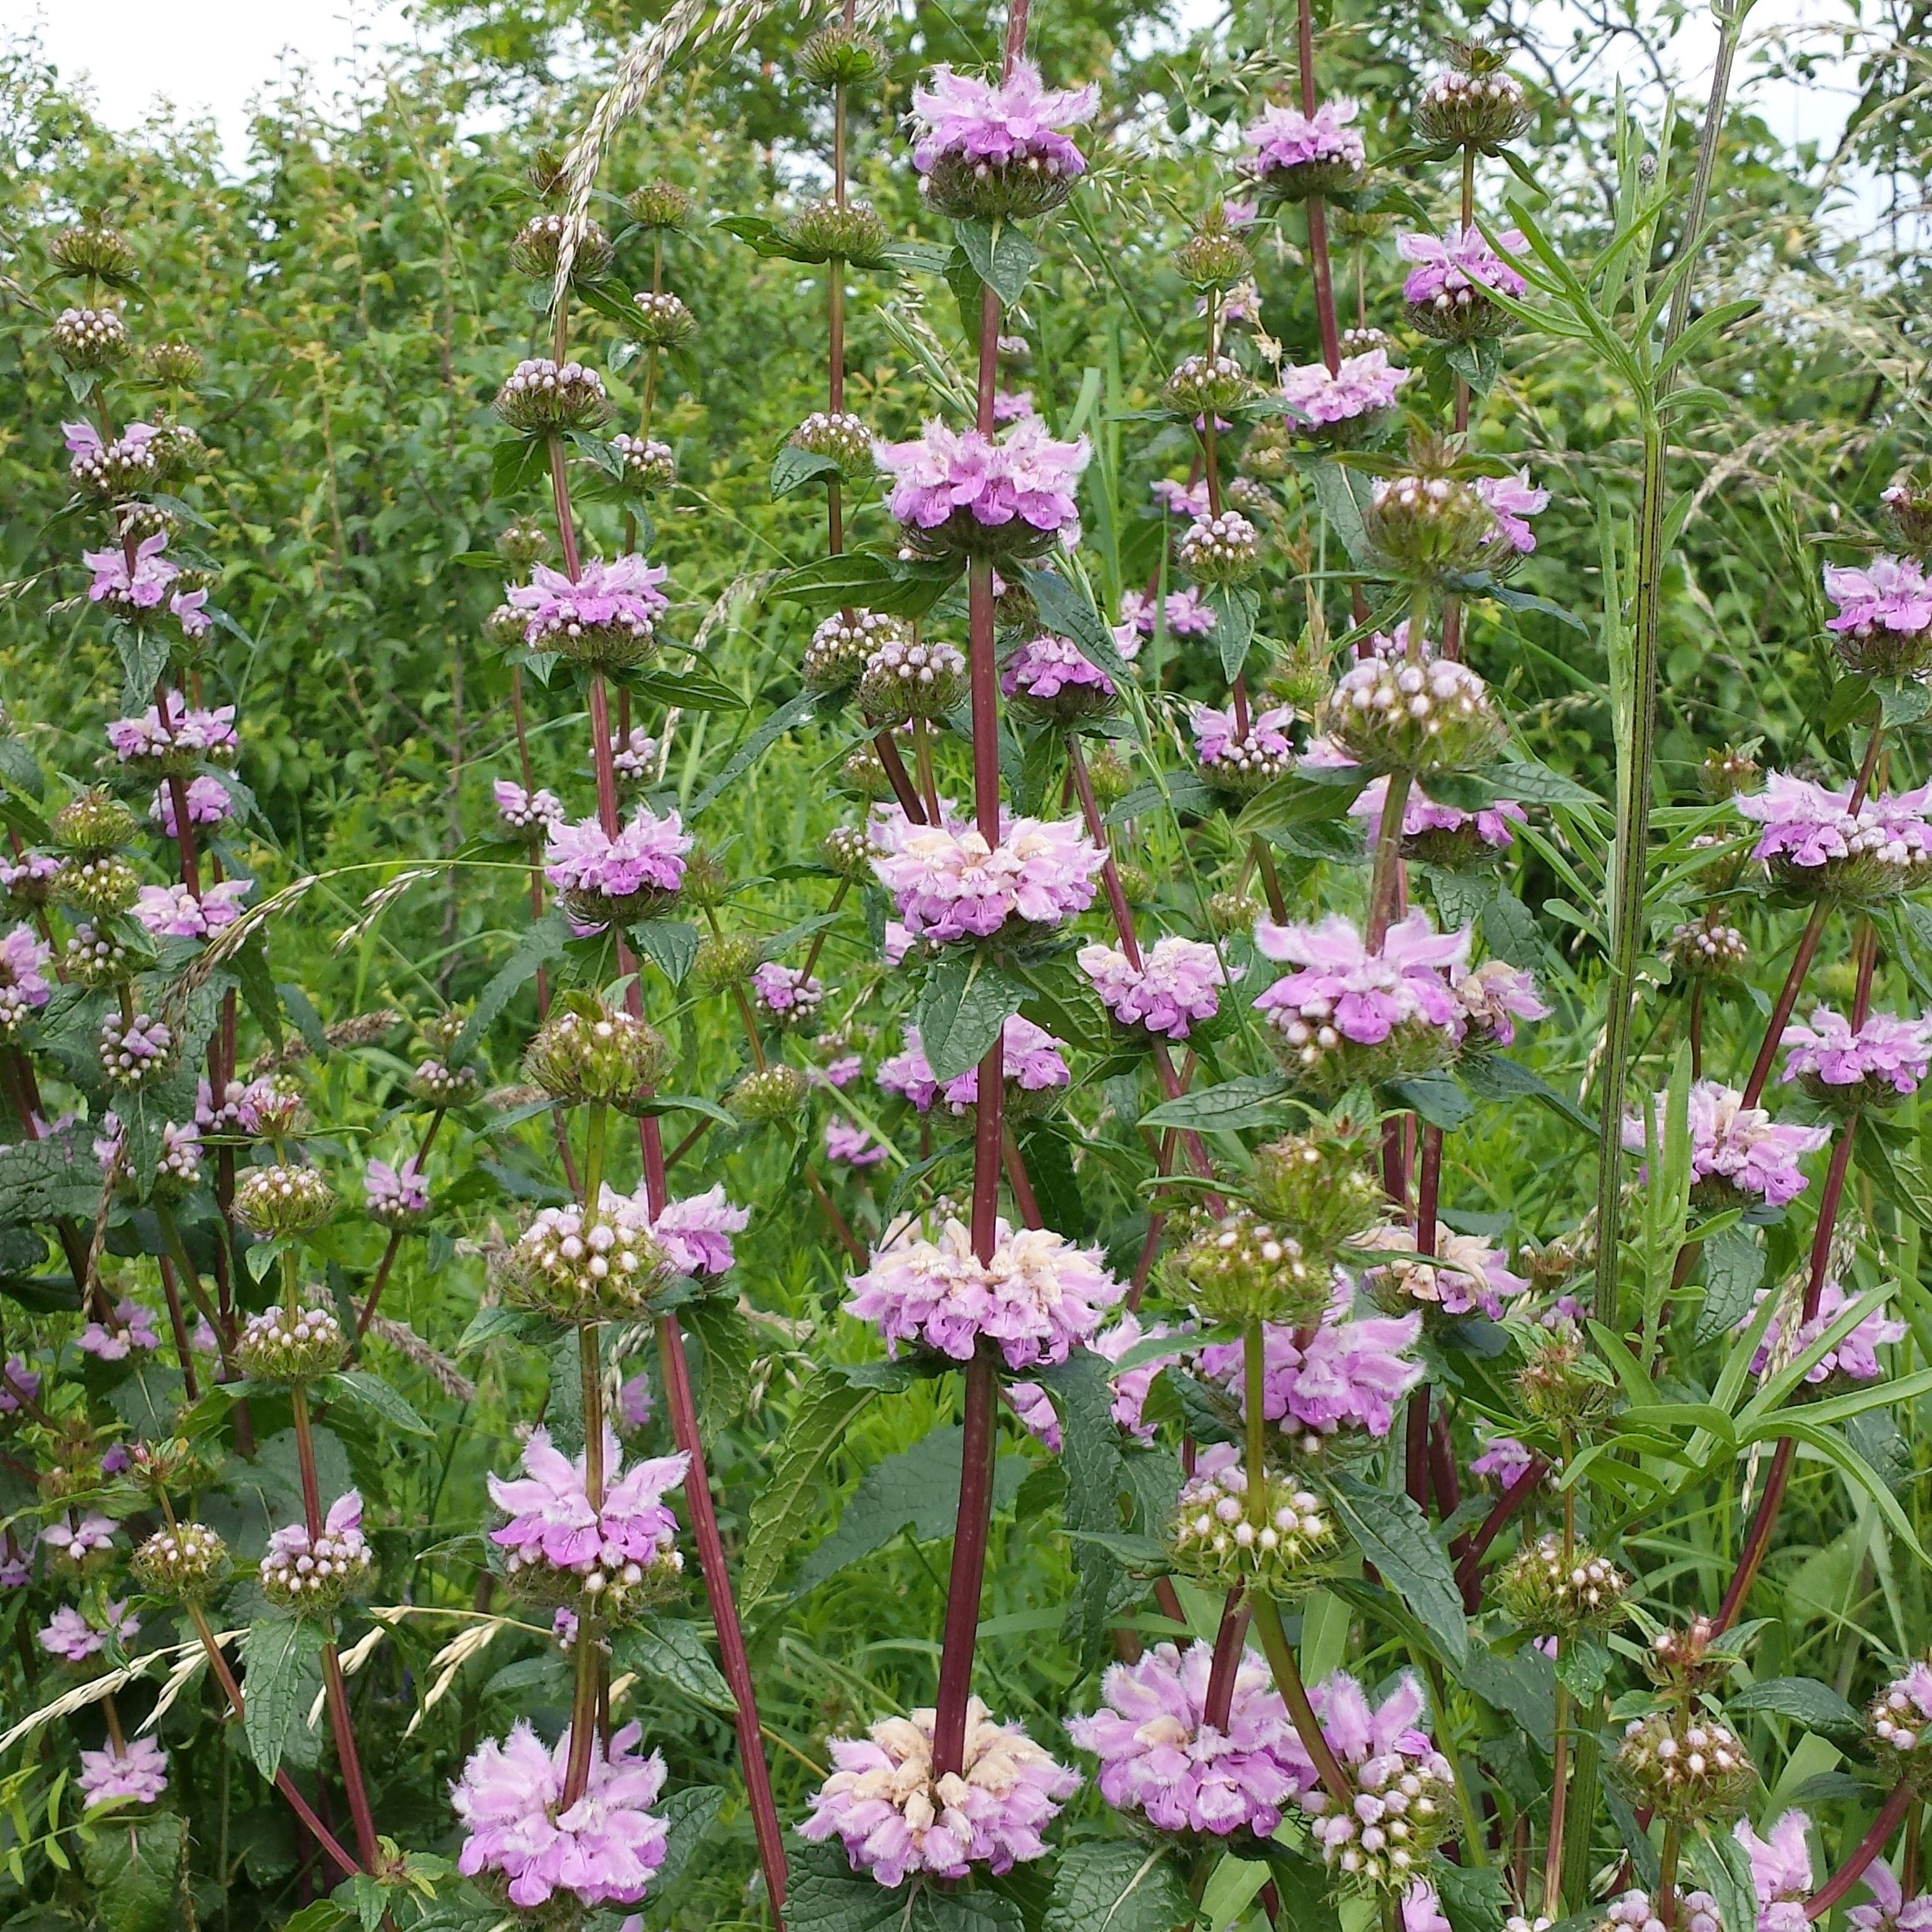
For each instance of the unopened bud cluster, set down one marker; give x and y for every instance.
(768, 1095)
(1396, 715)
(847, 850)
(1425, 524)
(1907, 506)
(726, 959)
(115, 469)
(540, 397)
(903, 679)
(662, 319)
(91, 338)
(1207, 385)
(1688, 1768)
(1561, 1385)
(1402, 1808)
(649, 465)
(1221, 1537)
(317, 1574)
(1708, 948)
(825, 232)
(1638, 1911)
(1243, 1268)
(840, 435)
(186, 1561)
(537, 246)
(840, 57)
(604, 1056)
(436, 1083)
(1552, 1594)
(100, 885)
(1220, 550)
(659, 205)
(90, 251)
(1320, 1185)
(1899, 1724)
(580, 1270)
(1474, 110)
(136, 1052)
(284, 1199)
(1213, 257)
(840, 647)
(94, 823)
(290, 1345)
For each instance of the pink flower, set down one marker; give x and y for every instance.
(131, 1328)
(1010, 405)
(1159, 1757)
(144, 587)
(1285, 137)
(1890, 1910)
(1493, 997)
(842, 1071)
(526, 811)
(19, 1385)
(77, 1541)
(633, 760)
(1468, 1276)
(1511, 499)
(787, 991)
(1039, 1298)
(1781, 1871)
(1891, 593)
(190, 733)
(1177, 983)
(1218, 737)
(295, 1562)
(1806, 825)
(1502, 1457)
(1422, 1909)
(70, 1636)
(208, 803)
(951, 885)
(852, 1146)
(1637, 1911)
(395, 1194)
(1364, 995)
(1000, 123)
(1026, 475)
(190, 609)
(1855, 1358)
(1189, 615)
(1886, 1050)
(1360, 385)
(695, 1233)
(137, 1770)
(553, 1525)
(1740, 1145)
(1457, 265)
(634, 1402)
(1422, 813)
(25, 960)
(1188, 500)
(622, 595)
(894, 1818)
(173, 912)
(1046, 666)
(1031, 1059)
(646, 856)
(1376, 1745)
(1352, 1373)
(602, 1849)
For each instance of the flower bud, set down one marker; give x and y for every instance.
(1319, 1186)
(649, 465)
(1563, 1386)
(540, 398)
(1708, 948)
(725, 960)
(838, 56)
(137, 1052)
(1301, 676)
(1243, 1268)
(1900, 1723)
(1689, 1660)
(100, 885)
(1204, 385)
(841, 436)
(838, 649)
(1553, 1595)
(506, 627)
(91, 338)
(1907, 508)
(179, 453)
(1137, 883)
(1231, 912)
(578, 1270)
(846, 850)
(1280, 1547)
(1686, 1767)
(274, 1110)
(1428, 523)
(520, 544)
(537, 246)
(662, 320)
(175, 365)
(1361, 341)
(313, 1575)
(30, 881)
(284, 1200)
(1220, 550)
(1213, 257)
(289, 1345)
(823, 231)
(1017, 191)
(93, 824)
(905, 680)
(436, 1083)
(1110, 776)
(90, 251)
(97, 958)
(1399, 714)
(768, 1095)
(588, 1053)
(1729, 772)
(188, 1563)
(1474, 105)
(111, 471)
(659, 205)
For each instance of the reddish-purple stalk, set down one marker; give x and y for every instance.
(1415, 1435)
(1320, 269)
(1468, 1577)
(1868, 1848)
(395, 1240)
(1229, 1646)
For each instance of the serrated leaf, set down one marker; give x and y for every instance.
(144, 657)
(1815, 1705)
(671, 1652)
(276, 1654)
(1235, 606)
(1733, 1267)
(1497, 1077)
(1118, 1885)
(688, 690)
(794, 469)
(1391, 1533)
(1341, 494)
(133, 1871)
(906, 590)
(719, 1326)
(1000, 255)
(1065, 609)
(1090, 1455)
(670, 944)
(1250, 1099)
(827, 1409)
(690, 1812)
(1436, 1097)
(964, 1004)
(379, 1399)
(516, 463)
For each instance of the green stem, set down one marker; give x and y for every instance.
(1280, 1656)
(1552, 1861)
(1667, 1874)
(1253, 1368)
(593, 1158)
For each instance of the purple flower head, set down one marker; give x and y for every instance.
(1380, 1746)
(136, 1771)
(526, 811)
(16, 1561)
(1421, 813)
(174, 912)
(1493, 997)
(1188, 500)
(634, 759)
(646, 856)
(19, 1385)
(70, 1636)
(395, 1196)
(77, 1541)
(1855, 1358)
(132, 1327)
(1218, 736)
(1010, 405)
(1502, 1457)
(1513, 499)
(1807, 825)
(1351, 1375)
(1159, 1757)
(634, 1401)
(1032, 1060)
(1890, 593)
(951, 885)
(1637, 1911)
(1890, 1910)
(25, 960)
(1025, 475)
(144, 587)
(787, 991)
(553, 1526)
(1468, 1276)
(1451, 265)
(1177, 983)
(1039, 1298)
(1360, 385)
(621, 595)
(1000, 124)
(1364, 995)
(852, 1146)
(192, 733)
(208, 803)
(189, 608)
(1742, 1146)
(894, 1818)
(602, 1851)
(296, 1563)
(1188, 614)
(1046, 666)
(695, 1233)
(1885, 1050)
(1781, 1871)
(1285, 137)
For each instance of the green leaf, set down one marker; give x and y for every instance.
(723, 1334)
(1478, 363)
(1067, 609)
(1295, 800)
(690, 1811)
(908, 589)
(1733, 1267)
(690, 690)
(1902, 701)
(1815, 1705)
(1000, 253)
(1436, 1097)
(829, 1406)
(1391, 1533)
(1341, 494)
(1176, 791)
(1235, 606)
(1250, 1101)
(671, 1652)
(1530, 782)
(1474, 1897)
(1497, 1077)
(541, 942)
(1090, 1455)
(962, 1005)
(378, 1397)
(133, 1869)
(670, 944)
(516, 463)
(789, 716)
(19, 768)
(144, 657)
(1509, 931)
(1118, 1885)
(1481, 584)
(823, 1893)
(277, 1656)
(1894, 1173)
(794, 469)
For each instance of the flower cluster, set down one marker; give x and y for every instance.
(1031, 1061)
(1176, 985)
(1296, 155)
(312, 1574)
(989, 149)
(1350, 403)
(1467, 1277)
(1814, 841)
(1884, 624)
(606, 616)
(605, 878)
(1229, 1536)
(1737, 1153)
(1880, 1060)
(963, 491)
(1854, 1358)
(1448, 291)
(1242, 759)
(949, 884)
(1051, 678)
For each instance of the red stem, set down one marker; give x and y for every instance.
(1507, 1504)
(1229, 1646)
(1868, 1847)
(968, 1573)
